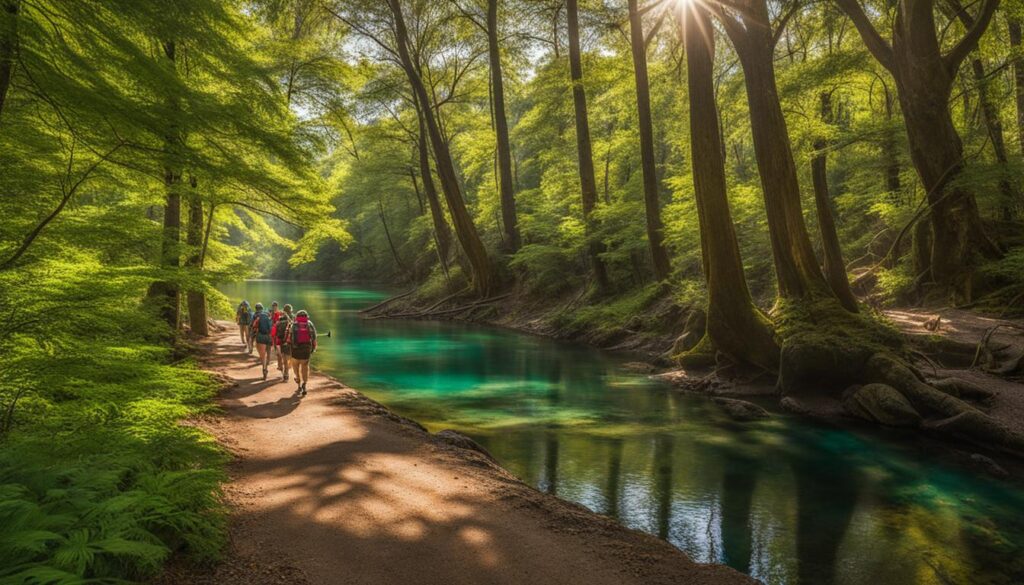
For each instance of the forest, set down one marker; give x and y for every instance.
(739, 188)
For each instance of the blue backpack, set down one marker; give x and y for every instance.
(263, 325)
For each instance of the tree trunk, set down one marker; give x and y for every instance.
(1018, 77)
(734, 325)
(165, 293)
(8, 46)
(588, 183)
(196, 299)
(387, 233)
(506, 188)
(465, 230)
(889, 150)
(796, 266)
(442, 235)
(834, 266)
(652, 205)
(994, 128)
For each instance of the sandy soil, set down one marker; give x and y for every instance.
(334, 488)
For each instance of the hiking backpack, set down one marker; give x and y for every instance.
(281, 329)
(300, 333)
(263, 326)
(244, 316)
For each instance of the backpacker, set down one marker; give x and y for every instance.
(300, 332)
(281, 330)
(264, 324)
(244, 316)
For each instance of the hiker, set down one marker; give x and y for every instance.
(261, 326)
(302, 337)
(275, 314)
(243, 316)
(280, 336)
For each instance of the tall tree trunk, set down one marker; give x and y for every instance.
(994, 128)
(465, 230)
(889, 149)
(8, 46)
(734, 325)
(1018, 77)
(165, 293)
(196, 299)
(834, 266)
(652, 205)
(588, 183)
(924, 80)
(387, 233)
(442, 235)
(796, 266)
(509, 221)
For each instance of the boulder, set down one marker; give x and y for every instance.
(989, 466)
(882, 404)
(741, 410)
(639, 367)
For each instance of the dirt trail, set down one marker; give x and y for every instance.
(333, 488)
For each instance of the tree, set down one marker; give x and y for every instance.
(734, 325)
(750, 29)
(924, 77)
(584, 149)
(652, 204)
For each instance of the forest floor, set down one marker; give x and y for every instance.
(334, 488)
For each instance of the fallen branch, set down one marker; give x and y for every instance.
(388, 301)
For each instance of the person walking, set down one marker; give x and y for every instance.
(243, 317)
(280, 337)
(261, 326)
(275, 314)
(302, 336)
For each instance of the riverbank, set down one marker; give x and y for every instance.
(334, 488)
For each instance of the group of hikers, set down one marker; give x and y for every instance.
(292, 337)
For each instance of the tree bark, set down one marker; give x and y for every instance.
(1018, 77)
(833, 264)
(165, 293)
(8, 46)
(196, 299)
(588, 183)
(796, 266)
(652, 205)
(889, 149)
(734, 325)
(442, 235)
(509, 221)
(482, 271)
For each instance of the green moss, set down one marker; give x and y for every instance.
(823, 321)
(626, 311)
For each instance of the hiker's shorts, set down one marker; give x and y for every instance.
(302, 352)
(263, 338)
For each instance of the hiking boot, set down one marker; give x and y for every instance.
(286, 375)
(302, 390)
(264, 372)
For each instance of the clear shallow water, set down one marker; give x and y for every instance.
(783, 500)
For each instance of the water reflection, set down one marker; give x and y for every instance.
(785, 501)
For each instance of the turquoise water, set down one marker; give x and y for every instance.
(783, 500)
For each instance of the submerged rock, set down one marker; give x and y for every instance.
(639, 367)
(741, 410)
(882, 404)
(989, 466)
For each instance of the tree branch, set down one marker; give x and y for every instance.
(878, 46)
(959, 52)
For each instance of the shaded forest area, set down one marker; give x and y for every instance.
(773, 172)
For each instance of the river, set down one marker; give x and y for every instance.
(784, 500)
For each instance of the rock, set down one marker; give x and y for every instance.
(741, 410)
(880, 403)
(819, 367)
(790, 404)
(989, 466)
(457, 439)
(964, 389)
(639, 367)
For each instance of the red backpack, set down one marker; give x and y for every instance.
(300, 331)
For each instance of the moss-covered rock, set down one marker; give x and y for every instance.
(741, 410)
(882, 404)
